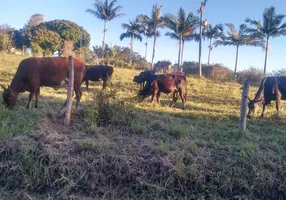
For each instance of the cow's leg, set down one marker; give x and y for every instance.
(104, 83)
(278, 103)
(86, 84)
(78, 94)
(158, 97)
(37, 97)
(182, 95)
(31, 96)
(175, 98)
(263, 109)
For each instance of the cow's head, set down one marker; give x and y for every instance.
(137, 79)
(9, 97)
(252, 107)
(147, 90)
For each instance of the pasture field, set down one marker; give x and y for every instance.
(118, 148)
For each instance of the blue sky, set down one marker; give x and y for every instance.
(16, 13)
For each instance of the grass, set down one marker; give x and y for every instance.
(118, 148)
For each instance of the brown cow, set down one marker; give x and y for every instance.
(97, 73)
(164, 66)
(33, 73)
(166, 83)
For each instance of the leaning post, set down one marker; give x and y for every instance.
(243, 107)
(70, 92)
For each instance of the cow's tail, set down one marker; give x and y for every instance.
(260, 93)
(186, 88)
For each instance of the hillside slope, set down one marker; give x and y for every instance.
(118, 148)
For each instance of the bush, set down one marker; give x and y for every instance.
(216, 72)
(252, 74)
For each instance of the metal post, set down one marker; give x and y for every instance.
(243, 107)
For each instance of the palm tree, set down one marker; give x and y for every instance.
(271, 27)
(238, 38)
(213, 33)
(187, 38)
(105, 11)
(181, 26)
(155, 21)
(133, 31)
(148, 32)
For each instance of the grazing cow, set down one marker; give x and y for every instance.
(143, 77)
(97, 73)
(165, 66)
(166, 83)
(33, 73)
(270, 89)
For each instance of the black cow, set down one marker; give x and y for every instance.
(270, 89)
(143, 77)
(166, 83)
(97, 73)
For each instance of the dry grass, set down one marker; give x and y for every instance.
(118, 148)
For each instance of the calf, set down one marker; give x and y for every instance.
(143, 77)
(164, 66)
(97, 73)
(166, 83)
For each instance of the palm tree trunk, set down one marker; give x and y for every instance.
(179, 56)
(266, 55)
(104, 35)
(209, 58)
(154, 45)
(146, 49)
(131, 48)
(182, 57)
(235, 68)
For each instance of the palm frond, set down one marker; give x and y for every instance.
(125, 35)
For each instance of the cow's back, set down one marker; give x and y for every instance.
(47, 71)
(97, 72)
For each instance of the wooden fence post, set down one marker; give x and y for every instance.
(70, 92)
(243, 107)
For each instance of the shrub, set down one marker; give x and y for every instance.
(252, 74)
(216, 72)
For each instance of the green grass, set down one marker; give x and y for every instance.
(118, 148)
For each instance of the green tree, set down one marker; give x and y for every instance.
(6, 42)
(105, 11)
(181, 26)
(271, 26)
(213, 33)
(45, 41)
(133, 31)
(155, 21)
(237, 38)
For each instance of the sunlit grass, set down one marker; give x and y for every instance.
(131, 150)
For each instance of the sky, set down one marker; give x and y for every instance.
(16, 13)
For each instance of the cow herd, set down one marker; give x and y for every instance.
(32, 73)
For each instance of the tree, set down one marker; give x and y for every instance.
(35, 20)
(105, 11)
(133, 31)
(272, 26)
(237, 38)
(6, 42)
(155, 21)
(213, 33)
(148, 32)
(45, 41)
(181, 26)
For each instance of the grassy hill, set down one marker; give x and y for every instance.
(117, 148)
